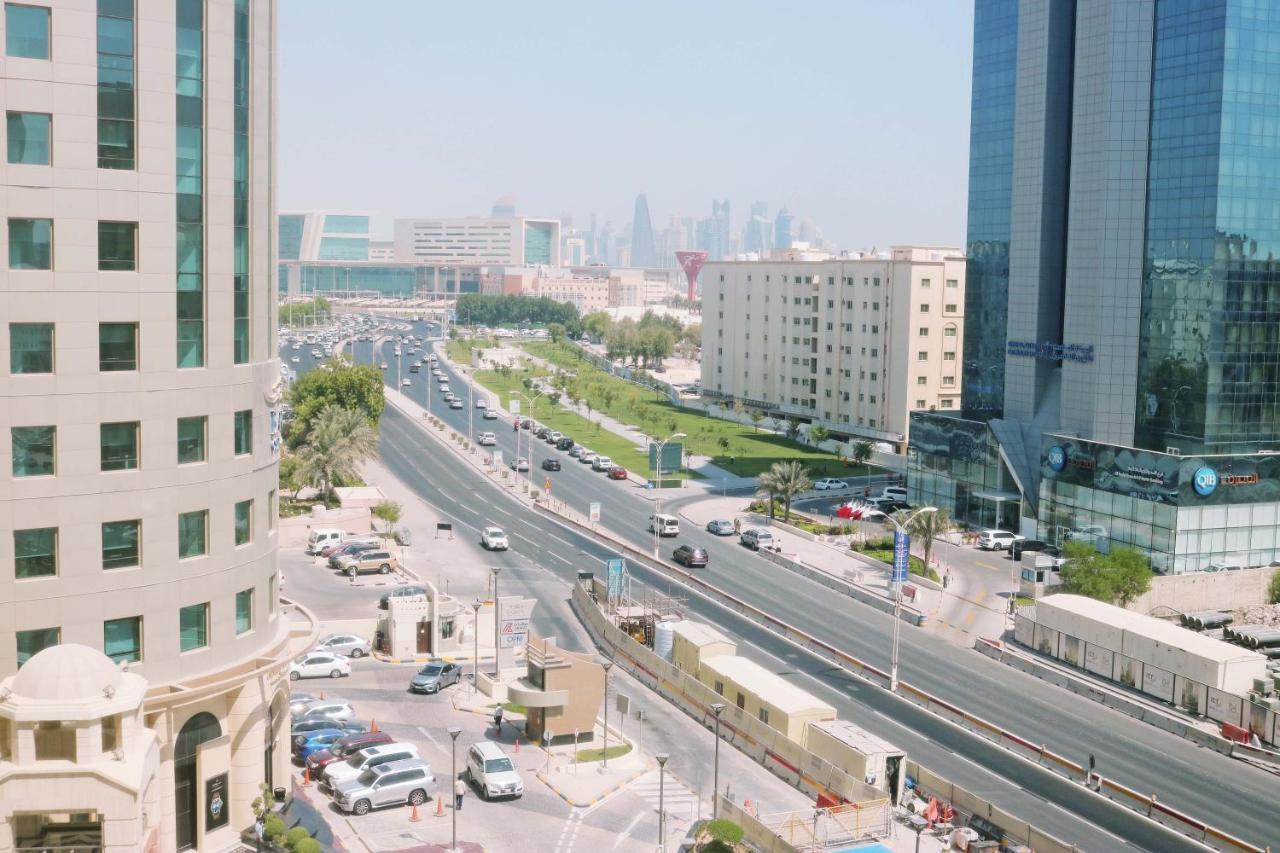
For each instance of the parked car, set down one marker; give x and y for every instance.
(664, 525)
(490, 414)
(299, 702)
(755, 538)
(358, 762)
(565, 443)
(322, 537)
(487, 439)
(602, 463)
(897, 493)
(318, 665)
(347, 645)
(394, 784)
(542, 432)
(350, 549)
(334, 712)
(526, 423)
(1026, 546)
(482, 403)
(720, 527)
(519, 464)
(997, 540)
(311, 742)
(491, 771)
(889, 505)
(830, 483)
(366, 562)
(400, 592)
(691, 556)
(554, 436)
(494, 539)
(586, 457)
(455, 403)
(434, 677)
(344, 747)
(550, 464)
(617, 472)
(315, 724)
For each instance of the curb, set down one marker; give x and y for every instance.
(386, 658)
(582, 804)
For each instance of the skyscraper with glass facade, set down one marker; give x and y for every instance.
(1121, 376)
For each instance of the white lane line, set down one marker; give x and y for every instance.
(626, 833)
(428, 736)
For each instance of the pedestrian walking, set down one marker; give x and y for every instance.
(737, 526)
(459, 791)
(259, 833)
(497, 720)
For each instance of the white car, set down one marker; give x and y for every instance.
(405, 383)
(493, 539)
(384, 365)
(455, 403)
(339, 712)
(830, 483)
(587, 457)
(492, 772)
(482, 403)
(319, 665)
(487, 439)
(601, 463)
(520, 464)
(490, 414)
(997, 540)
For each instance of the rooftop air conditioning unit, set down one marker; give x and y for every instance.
(1173, 451)
(1263, 686)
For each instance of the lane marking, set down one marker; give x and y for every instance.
(428, 736)
(626, 833)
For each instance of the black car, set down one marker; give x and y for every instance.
(542, 432)
(1021, 546)
(690, 556)
(526, 424)
(564, 443)
(890, 506)
(550, 464)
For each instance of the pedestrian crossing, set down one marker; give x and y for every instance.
(680, 802)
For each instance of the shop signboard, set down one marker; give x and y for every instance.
(217, 811)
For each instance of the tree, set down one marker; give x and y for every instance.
(787, 480)
(556, 331)
(862, 452)
(339, 440)
(388, 512)
(289, 469)
(357, 387)
(1273, 591)
(597, 325)
(792, 427)
(756, 417)
(818, 434)
(1116, 578)
(924, 527)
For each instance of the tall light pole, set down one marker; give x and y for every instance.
(658, 487)
(717, 708)
(607, 664)
(662, 813)
(532, 401)
(496, 672)
(475, 632)
(901, 527)
(453, 780)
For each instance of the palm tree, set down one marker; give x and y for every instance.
(924, 527)
(792, 427)
(339, 440)
(861, 452)
(818, 434)
(786, 480)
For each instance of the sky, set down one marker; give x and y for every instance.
(854, 113)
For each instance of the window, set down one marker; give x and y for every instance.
(117, 245)
(193, 627)
(951, 282)
(919, 404)
(110, 733)
(116, 85)
(273, 509)
(764, 716)
(720, 687)
(946, 404)
(948, 356)
(244, 522)
(36, 640)
(244, 611)
(122, 639)
(31, 348)
(244, 432)
(26, 31)
(948, 380)
(28, 135)
(924, 307)
(34, 451)
(191, 436)
(922, 356)
(924, 282)
(117, 347)
(35, 553)
(949, 332)
(190, 184)
(193, 534)
(30, 244)
(950, 308)
(921, 380)
(924, 331)
(121, 544)
(119, 446)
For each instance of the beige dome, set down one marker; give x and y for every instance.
(65, 673)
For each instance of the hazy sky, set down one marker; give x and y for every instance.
(854, 113)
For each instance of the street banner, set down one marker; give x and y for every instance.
(616, 568)
(901, 556)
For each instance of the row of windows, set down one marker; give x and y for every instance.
(35, 448)
(122, 639)
(31, 244)
(32, 347)
(35, 550)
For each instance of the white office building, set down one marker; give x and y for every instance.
(509, 241)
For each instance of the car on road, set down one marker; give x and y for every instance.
(346, 645)
(405, 383)
(830, 483)
(550, 464)
(755, 538)
(481, 403)
(400, 592)
(889, 505)
(720, 527)
(342, 748)
(373, 756)
(493, 538)
(490, 414)
(319, 665)
(335, 712)
(690, 556)
(520, 464)
(565, 443)
(487, 439)
(491, 771)
(542, 432)
(1026, 546)
(384, 365)
(554, 437)
(586, 457)
(350, 549)
(393, 784)
(617, 472)
(368, 562)
(526, 423)
(311, 742)
(897, 493)
(601, 463)
(997, 540)
(448, 397)
(315, 724)
(455, 403)
(664, 525)
(434, 677)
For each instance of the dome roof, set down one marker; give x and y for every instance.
(66, 672)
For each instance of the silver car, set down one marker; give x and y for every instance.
(392, 784)
(434, 677)
(347, 645)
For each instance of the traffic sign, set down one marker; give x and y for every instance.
(513, 405)
(901, 556)
(546, 484)
(593, 512)
(616, 566)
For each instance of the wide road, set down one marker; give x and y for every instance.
(1233, 796)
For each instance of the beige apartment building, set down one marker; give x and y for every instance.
(586, 288)
(139, 395)
(852, 343)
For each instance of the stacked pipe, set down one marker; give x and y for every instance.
(1254, 636)
(1206, 619)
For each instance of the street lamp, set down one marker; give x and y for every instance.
(658, 488)
(717, 708)
(453, 779)
(496, 674)
(475, 632)
(532, 401)
(901, 527)
(607, 664)
(662, 814)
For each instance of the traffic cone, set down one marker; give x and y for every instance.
(321, 695)
(413, 816)
(439, 806)
(306, 777)
(373, 725)
(517, 746)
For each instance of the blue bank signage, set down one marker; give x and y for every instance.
(901, 556)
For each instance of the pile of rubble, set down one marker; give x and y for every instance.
(1258, 614)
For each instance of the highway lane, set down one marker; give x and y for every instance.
(1129, 751)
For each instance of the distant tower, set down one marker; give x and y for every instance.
(643, 251)
(691, 263)
(505, 207)
(782, 230)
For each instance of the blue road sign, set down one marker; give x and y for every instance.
(901, 554)
(615, 565)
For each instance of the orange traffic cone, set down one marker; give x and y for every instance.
(439, 806)
(517, 746)
(321, 695)
(413, 816)
(306, 777)
(373, 726)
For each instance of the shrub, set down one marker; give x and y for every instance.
(725, 831)
(274, 828)
(295, 836)
(308, 845)
(1273, 591)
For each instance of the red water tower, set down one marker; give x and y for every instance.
(691, 263)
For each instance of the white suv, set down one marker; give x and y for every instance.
(487, 439)
(997, 540)
(830, 483)
(491, 771)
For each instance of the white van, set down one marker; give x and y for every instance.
(492, 771)
(897, 493)
(602, 463)
(755, 538)
(665, 525)
(322, 537)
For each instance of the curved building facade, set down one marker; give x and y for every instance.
(139, 384)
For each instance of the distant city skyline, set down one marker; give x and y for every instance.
(583, 111)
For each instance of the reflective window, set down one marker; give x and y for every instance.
(119, 446)
(193, 627)
(189, 94)
(122, 639)
(244, 610)
(117, 347)
(191, 439)
(240, 192)
(116, 85)
(121, 546)
(35, 553)
(117, 245)
(29, 137)
(31, 348)
(33, 451)
(193, 534)
(36, 640)
(244, 522)
(30, 244)
(26, 31)
(244, 432)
